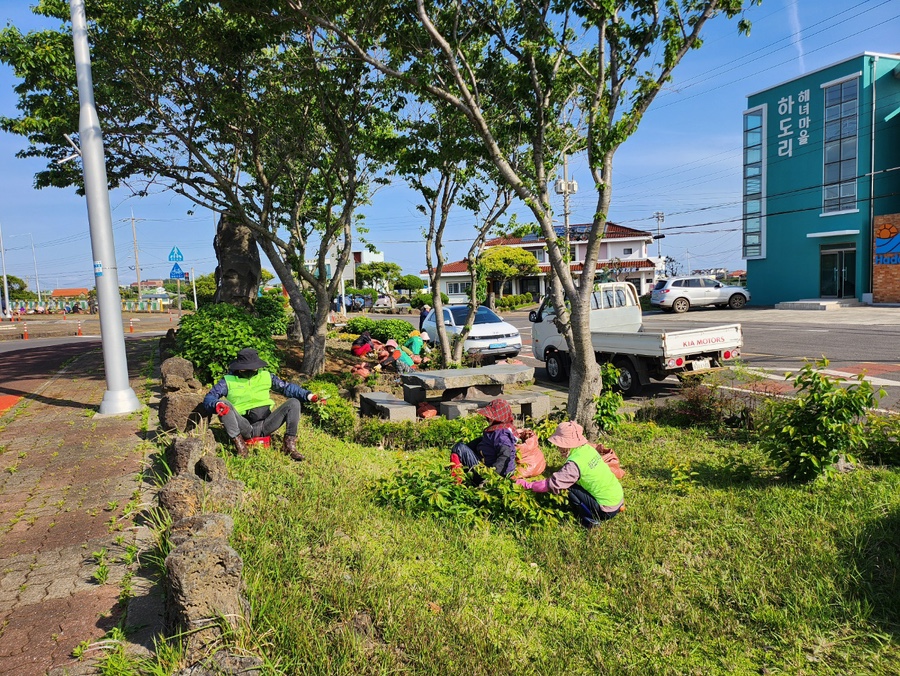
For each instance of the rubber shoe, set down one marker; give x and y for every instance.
(240, 446)
(290, 448)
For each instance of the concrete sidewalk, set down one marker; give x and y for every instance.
(70, 483)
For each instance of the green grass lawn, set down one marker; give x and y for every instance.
(727, 570)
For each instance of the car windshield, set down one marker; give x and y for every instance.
(482, 316)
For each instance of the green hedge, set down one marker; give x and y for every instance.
(410, 436)
(514, 301)
(337, 417)
(381, 329)
(425, 298)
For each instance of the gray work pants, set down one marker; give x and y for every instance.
(288, 413)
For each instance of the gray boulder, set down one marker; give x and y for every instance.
(182, 496)
(201, 526)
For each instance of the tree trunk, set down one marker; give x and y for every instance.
(314, 342)
(585, 380)
(238, 272)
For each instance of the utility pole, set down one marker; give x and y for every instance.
(660, 218)
(119, 397)
(194, 286)
(8, 312)
(137, 263)
(37, 280)
(565, 187)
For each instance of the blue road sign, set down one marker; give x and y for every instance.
(175, 255)
(177, 272)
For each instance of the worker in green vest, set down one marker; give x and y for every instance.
(243, 403)
(594, 491)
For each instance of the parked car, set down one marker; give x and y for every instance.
(490, 335)
(680, 294)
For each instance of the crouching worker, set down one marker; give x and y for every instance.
(241, 400)
(496, 447)
(594, 491)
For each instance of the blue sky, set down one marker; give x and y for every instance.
(684, 160)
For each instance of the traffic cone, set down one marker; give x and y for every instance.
(131, 326)
(25, 331)
(79, 328)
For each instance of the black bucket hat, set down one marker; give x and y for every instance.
(247, 360)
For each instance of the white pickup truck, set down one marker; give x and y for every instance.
(619, 337)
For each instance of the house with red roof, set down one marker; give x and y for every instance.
(623, 257)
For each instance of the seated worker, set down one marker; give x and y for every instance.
(594, 491)
(241, 400)
(496, 447)
(415, 343)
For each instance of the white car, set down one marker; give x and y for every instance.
(490, 335)
(680, 294)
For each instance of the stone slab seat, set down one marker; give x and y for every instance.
(490, 380)
(385, 405)
(535, 405)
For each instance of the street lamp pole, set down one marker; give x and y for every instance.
(5, 284)
(119, 397)
(37, 280)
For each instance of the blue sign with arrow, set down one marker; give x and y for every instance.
(177, 272)
(175, 255)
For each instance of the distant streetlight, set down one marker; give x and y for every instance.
(37, 280)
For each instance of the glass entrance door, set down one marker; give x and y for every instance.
(837, 272)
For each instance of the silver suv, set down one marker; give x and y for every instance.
(679, 294)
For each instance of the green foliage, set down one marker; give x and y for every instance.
(825, 422)
(426, 298)
(206, 289)
(883, 434)
(211, 338)
(385, 329)
(438, 432)
(684, 478)
(609, 401)
(359, 325)
(410, 283)
(335, 415)
(368, 292)
(545, 428)
(513, 301)
(427, 487)
(272, 309)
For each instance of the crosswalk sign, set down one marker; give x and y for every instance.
(176, 272)
(175, 255)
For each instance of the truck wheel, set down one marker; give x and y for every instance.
(681, 305)
(737, 301)
(556, 370)
(629, 382)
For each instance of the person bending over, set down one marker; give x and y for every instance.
(496, 447)
(242, 401)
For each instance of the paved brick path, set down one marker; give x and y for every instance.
(66, 478)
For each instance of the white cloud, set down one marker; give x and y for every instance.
(796, 31)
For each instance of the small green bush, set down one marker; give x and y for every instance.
(272, 310)
(424, 298)
(883, 434)
(385, 329)
(359, 325)
(608, 402)
(426, 486)
(211, 338)
(337, 416)
(410, 436)
(809, 433)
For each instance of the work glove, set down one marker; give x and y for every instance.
(523, 483)
(312, 397)
(222, 408)
(534, 486)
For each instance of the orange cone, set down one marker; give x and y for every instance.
(79, 328)
(131, 326)
(25, 331)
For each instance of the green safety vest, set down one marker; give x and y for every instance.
(596, 476)
(249, 393)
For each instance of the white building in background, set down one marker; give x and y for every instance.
(356, 258)
(623, 254)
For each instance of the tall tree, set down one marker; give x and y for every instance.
(577, 75)
(500, 263)
(264, 122)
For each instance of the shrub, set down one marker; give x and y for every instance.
(385, 329)
(410, 436)
(211, 339)
(272, 310)
(609, 401)
(809, 433)
(428, 487)
(187, 305)
(336, 416)
(359, 325)
(883, 433)
(425, 297)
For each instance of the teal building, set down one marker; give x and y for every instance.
(821, 169)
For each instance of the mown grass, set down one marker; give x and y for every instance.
(728, 570)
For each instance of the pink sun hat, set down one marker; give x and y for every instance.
(568, 435)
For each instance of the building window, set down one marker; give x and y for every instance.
(458, 287)
(573, 253)
(627, 252)
(754, 200)
(540, 255)
(841, 104)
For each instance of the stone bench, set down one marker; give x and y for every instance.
(385, 405)
(534, 405)
(484, 381)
